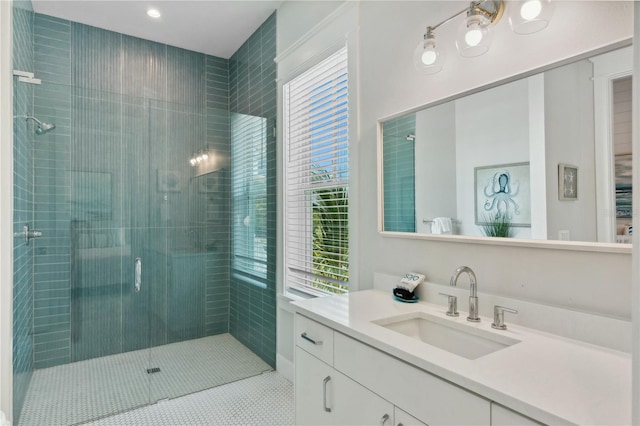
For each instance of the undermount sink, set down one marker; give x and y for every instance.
(457, 338)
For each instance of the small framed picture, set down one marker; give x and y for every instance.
(567, 182)
(169, 181)
(503, 189)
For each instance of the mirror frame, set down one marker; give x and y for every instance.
(512, 242)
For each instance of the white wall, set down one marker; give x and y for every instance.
(635, 367)
(389, 31)
(568, 96)
(307, 33)
(595, 282)
(492, 128)
(435, 158)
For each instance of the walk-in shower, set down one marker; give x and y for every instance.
(129, 295)
(41, 128)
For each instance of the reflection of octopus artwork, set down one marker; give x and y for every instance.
(500, 194)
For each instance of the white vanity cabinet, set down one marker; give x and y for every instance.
(325, 396)
(502, 416)
(362, 385)
(402, 418)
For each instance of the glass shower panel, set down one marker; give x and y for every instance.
(179, 299)
(109, 319)
(23, 290)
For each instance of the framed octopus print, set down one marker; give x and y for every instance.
(503, 193)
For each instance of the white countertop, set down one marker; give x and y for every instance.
(552, 379)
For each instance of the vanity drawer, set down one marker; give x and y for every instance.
(314, 338)
(430, 399)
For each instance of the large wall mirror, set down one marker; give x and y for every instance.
(543, 157)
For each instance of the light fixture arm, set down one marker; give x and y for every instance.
(494, 13)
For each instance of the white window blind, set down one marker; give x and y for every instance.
(316, 178)
(249, 194)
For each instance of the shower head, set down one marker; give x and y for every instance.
(44, 128)
(41, 128)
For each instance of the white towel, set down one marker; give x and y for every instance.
(410, 281)
(441, 225)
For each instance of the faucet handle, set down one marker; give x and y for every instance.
(453, 304)
(498, 317)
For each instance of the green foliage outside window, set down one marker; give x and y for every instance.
(331, 237)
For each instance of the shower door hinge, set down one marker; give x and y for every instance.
(26, 77)
(275, 134)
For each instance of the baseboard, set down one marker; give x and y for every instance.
(284, 367)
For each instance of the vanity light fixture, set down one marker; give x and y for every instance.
(474, 35)
(426, 57)
(199, 157)
(154, 13)
(530, 16)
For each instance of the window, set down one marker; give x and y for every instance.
(316, 178)
(249, 195)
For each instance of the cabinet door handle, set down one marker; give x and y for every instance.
(309, 339)
(324, 394)
(384, 419)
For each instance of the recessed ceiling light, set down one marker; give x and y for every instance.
(154, 13)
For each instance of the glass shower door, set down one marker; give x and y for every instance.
(110, 299)
(185, 249)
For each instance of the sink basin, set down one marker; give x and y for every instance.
(454, 337)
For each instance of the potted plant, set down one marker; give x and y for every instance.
(498, 225)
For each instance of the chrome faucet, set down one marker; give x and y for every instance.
(473, 289)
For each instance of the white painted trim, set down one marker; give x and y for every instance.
(380, 178)
(6, 212)
(284, 367)
(603, 247)
(537, 157)
(586, 55)
(606, 68)
(328, 20)
(623, 249)
(635, 276)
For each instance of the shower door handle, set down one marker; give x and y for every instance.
(137, 282)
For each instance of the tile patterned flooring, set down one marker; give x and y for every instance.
(92, 389)
(266, 399)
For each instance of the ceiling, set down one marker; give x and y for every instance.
(214, 27)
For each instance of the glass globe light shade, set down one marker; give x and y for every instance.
(474, 37)
(530, 16)
(427, 59)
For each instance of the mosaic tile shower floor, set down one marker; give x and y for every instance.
(266, 399)
(86, 390)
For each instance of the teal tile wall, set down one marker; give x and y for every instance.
(217, 292)
(399, 174)
(22, 17)
(129, 114)
(130, 109)
(252, 90)
(52, 61)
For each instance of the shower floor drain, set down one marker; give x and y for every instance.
(153, 370)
